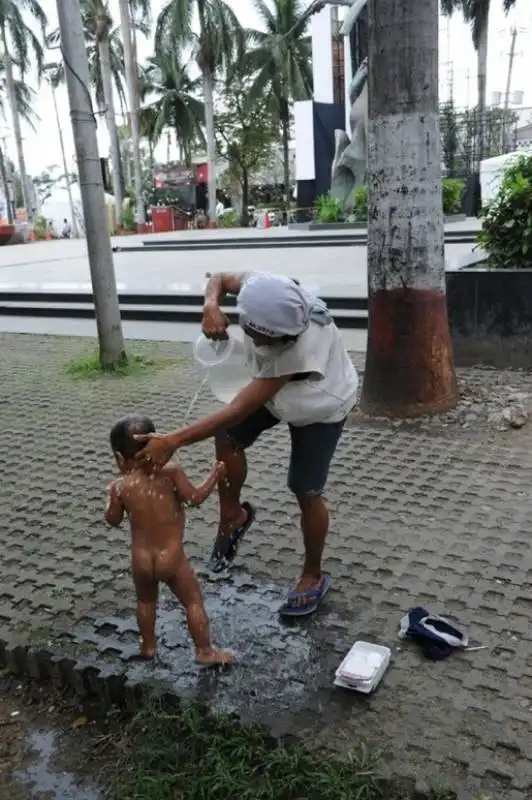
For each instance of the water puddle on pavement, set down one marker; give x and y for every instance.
(278, 664)
(42, 779)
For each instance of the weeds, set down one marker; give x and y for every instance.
(88, 367)
(188, 754)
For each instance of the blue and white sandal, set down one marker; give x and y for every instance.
(301, 604)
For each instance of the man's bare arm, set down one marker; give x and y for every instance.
(196, 495)
(114, 513)
(222, 283)
(215, 322)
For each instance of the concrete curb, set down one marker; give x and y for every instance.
(113, 689)
(86, 681)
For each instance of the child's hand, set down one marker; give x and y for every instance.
(220, 469)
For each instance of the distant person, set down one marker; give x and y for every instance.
(220, 209)
(66, 231)
(155, 501)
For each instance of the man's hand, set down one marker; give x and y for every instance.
(215, 323)
(159, 449)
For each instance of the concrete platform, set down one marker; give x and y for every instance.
(64, 266)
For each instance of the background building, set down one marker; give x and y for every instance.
(335, 59)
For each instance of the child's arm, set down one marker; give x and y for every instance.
(196, 495)
(114, 513)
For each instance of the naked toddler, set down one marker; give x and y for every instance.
(155, 500)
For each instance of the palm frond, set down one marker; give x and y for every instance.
(15, 20)
(25, 99)
(281, 57)
(173, 101)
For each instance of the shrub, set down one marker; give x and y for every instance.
(229, 220)
(507, 220)
(41, 227)
(128, 217)
(360, 203)
(452, 191)
(328, 209)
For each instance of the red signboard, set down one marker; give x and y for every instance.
(202, 173)
(172, 176)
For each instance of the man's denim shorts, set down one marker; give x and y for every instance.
(313, 447)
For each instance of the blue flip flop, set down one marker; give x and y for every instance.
(292, 607)
(225, 549)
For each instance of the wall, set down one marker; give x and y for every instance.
(327, 119)
(490, 317)
(322, 57)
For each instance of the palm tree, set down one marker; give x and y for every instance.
(18, 42)
(128, 8)
(282, 61)
(409, 362)
(25, 99)
(106, 69)
(98, 23)
(175, 102)
(214, 46)
(149, 124)
(477, 13)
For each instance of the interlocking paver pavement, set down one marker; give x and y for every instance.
(417, 518)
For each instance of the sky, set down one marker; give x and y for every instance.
(457, 58)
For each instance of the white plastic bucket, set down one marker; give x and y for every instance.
(224, 364)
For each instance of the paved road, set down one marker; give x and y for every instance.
(440, 518)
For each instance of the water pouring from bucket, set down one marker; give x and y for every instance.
(223, 365)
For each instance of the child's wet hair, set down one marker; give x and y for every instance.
(124, 431)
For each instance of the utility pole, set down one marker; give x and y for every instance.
(511, 58)
(108, 322)
(133, 102)
(75, 228)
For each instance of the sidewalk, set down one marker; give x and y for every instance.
(437, 515)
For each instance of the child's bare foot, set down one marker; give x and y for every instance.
(147, 653)
(212, 657)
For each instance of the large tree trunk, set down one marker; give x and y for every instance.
(105, 58)
(409, 362)
(208, 96)
(107, 309)
(285, 130)
(244, 217)
(10, 84)
(134, 105)
(482, 74)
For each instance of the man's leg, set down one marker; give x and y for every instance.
(313, 448)
(315, 527)
(231, 512)
(230, 447)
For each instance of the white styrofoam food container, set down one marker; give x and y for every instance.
(363, 667)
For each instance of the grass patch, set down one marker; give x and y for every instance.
(188, 754)
(88, 367)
